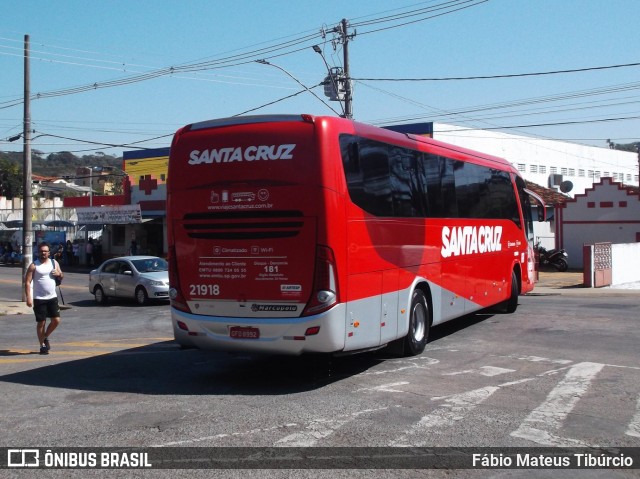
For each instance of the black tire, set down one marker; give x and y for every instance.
(418, 335)
(511, 304)
(561, 265)
(142, 297)
(99, 295)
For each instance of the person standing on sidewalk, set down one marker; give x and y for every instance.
(43, 299)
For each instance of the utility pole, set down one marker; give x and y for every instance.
(27, 227)
(344, 39)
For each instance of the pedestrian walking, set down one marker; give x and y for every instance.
(89, 252)
(68, 253)
(42, 296)
(76, 253)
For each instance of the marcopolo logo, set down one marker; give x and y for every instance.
(464, 240)
(250, 153)
(273, 308)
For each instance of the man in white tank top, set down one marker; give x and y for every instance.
(42, 297)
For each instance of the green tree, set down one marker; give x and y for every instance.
(10, 179)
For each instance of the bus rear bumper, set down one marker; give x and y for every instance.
(323, 333)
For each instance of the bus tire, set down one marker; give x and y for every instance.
(511, 304)
(416, 339)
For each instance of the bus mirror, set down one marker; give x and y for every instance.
(542, 209)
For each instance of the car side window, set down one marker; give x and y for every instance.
(111, 267)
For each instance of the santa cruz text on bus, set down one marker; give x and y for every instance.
(250, 153)
(463, 240)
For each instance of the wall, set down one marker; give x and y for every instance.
(625, 263)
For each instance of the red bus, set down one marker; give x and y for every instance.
(306, 234)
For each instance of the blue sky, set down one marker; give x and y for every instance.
(77, 43)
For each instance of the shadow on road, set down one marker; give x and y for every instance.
(164, 368)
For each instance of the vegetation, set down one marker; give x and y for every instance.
(633, 147)
(58, 165)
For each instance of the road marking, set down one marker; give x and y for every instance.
(634, 425)
(224, 435)
(321, 428)
(409, 364)
(385, 387)
(483, 371)
(542, 423)
(61, 351)
(537, 359)
(454, 409)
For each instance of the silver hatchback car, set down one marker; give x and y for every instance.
(137, 277)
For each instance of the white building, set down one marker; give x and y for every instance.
(567, 167)
(608, 212)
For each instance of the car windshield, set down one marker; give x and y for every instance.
(150, 265)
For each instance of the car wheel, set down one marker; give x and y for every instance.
(141, 296)
(99, 295)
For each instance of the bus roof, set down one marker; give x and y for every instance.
(360, 128)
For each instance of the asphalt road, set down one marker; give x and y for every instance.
(561, 371)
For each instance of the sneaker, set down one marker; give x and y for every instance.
(46, 344)
(44, 350)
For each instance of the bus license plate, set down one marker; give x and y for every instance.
(238, 332)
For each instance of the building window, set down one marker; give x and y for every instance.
(581, 173)
(522, 167)
(606, 174)
(533, 169)
(572, 172)
(553, 170)
(543, 169)
(590, 173)
(563, 171)
(597, 174)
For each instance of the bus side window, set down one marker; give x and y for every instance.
(350, 154)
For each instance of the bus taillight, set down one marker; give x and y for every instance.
(175, 295)
(325, 283)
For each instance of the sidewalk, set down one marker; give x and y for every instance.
(572, 283)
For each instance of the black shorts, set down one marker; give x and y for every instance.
(46, 308)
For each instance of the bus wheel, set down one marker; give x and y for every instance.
(511, 304)
(416, 339)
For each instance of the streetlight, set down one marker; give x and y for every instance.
(265, 62)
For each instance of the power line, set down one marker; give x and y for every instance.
(429, 17)
(535, 125)
(510, 75)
